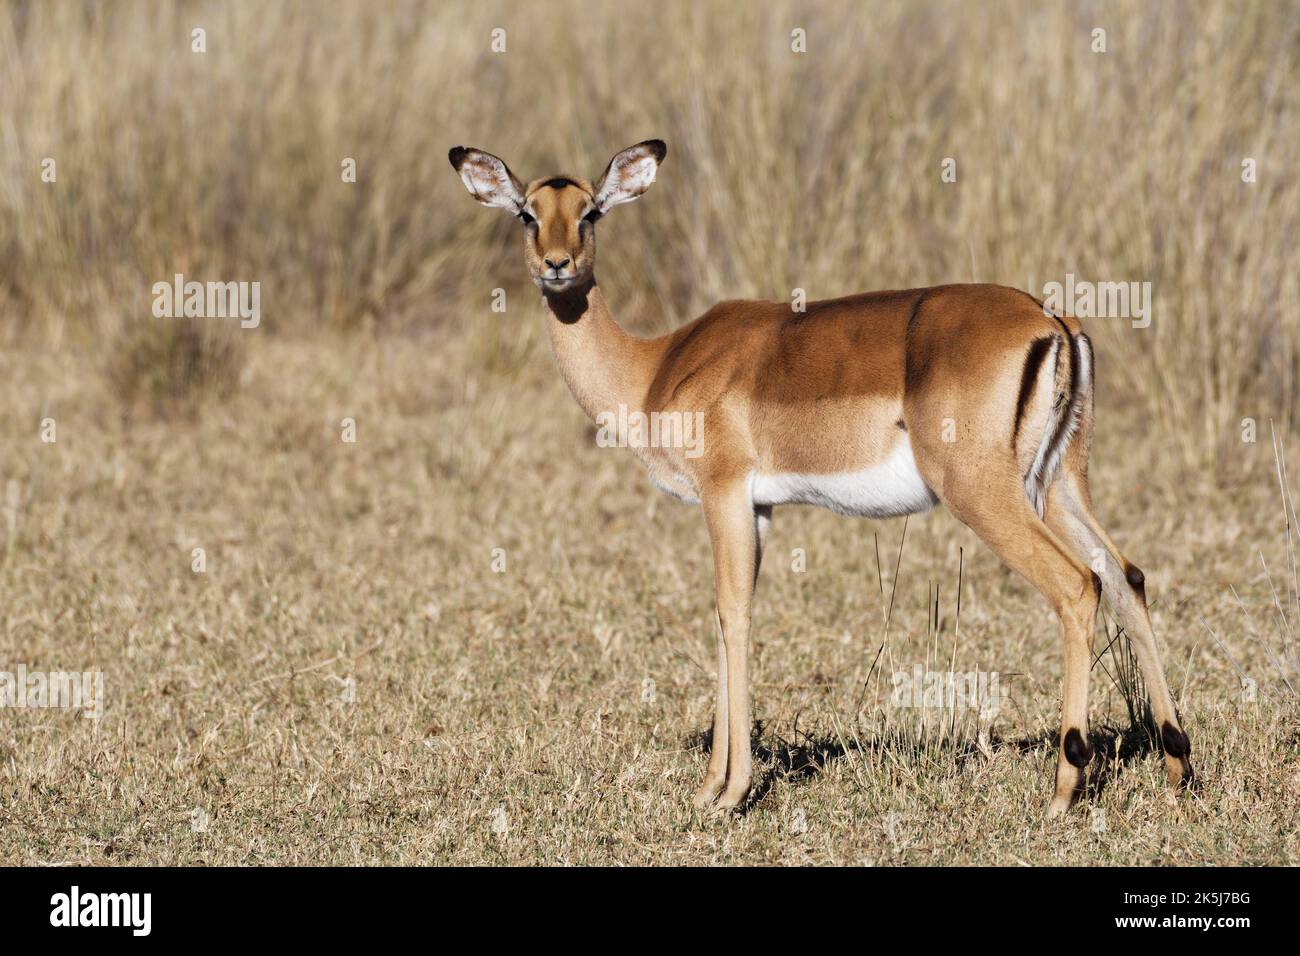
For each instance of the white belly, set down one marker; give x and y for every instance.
(887, 490)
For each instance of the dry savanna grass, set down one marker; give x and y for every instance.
(350, 682)
(471, 635)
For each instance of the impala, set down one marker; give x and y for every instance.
(877, 405)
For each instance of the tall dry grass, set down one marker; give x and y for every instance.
(816, 170)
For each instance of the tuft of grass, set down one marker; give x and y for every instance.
(172, 367)
(1126, 674)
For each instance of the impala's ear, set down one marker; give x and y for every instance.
(629, 174)
(488, 179)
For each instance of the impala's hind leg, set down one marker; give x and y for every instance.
(1069, 513)
(1008, 524)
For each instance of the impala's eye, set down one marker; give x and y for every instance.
(591, 216)
(526, 219)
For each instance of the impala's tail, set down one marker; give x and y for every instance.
(1071, 397)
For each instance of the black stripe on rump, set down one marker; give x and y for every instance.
(1038, 350)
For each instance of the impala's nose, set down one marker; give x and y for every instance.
(557, 263)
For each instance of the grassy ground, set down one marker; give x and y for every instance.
(350, 681)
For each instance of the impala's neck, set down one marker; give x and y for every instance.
(603, 365)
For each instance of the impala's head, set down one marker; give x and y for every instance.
(559, 213)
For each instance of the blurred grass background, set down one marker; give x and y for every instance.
(817, 170)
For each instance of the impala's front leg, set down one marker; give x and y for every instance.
(729, 512)
(716, 776)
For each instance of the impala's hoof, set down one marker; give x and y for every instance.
(1069, 785)
(708, 792)
(1060, 805)
(1179, 773)
(733, 797)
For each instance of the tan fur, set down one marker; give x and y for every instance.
(835, 390)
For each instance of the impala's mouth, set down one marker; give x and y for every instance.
(556, 283)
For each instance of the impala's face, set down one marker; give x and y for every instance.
(559, 217)
(559, 213)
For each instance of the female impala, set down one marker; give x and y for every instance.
(876, 405)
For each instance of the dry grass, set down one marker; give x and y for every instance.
(818, 171)
(175, 368)
(526, 690)
(334, 566)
